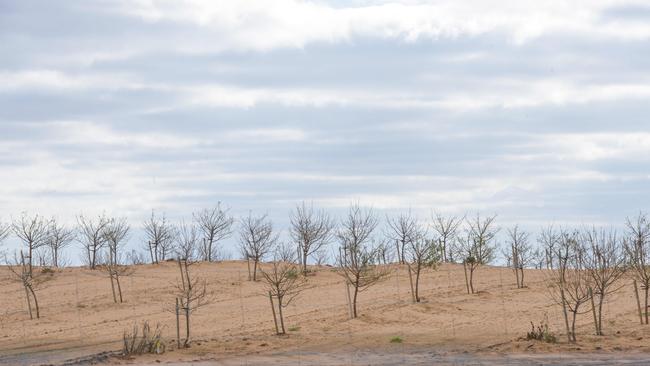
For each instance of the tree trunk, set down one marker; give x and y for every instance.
(280, 313)
(517, 276)
(38, 312)
(417, 284)
(178, 325)
(645, 309)
(522, 277)
(29, 302)
(566, 315)
(471, 278)
(151, 253)
(255, 269)
(187, 323)
(304, 262)
(119, 287)
(466, 279)
(399, 256)
(31, 249)
(573, 325)
(593, 310)
(110, 273)
(354, 301)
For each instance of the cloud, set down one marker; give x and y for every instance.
(536, 111)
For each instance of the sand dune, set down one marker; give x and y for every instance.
(80, 318)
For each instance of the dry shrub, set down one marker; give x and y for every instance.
(147, 342)
(541, 333)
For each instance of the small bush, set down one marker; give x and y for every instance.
(396, 340)
(541, 333)
(148, 342)
(294, 328)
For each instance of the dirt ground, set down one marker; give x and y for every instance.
(79, 318)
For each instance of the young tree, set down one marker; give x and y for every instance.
(284, 283)
(569, 283)
(311, 231)
(59, 236)
(116, 234)
(403, 230)
(446, 228)
(31, 282)
(322, 257)
(33, 232)
(420, 255)
(358, 260)
(91, 237)
(187, 240)
(637, 248)
(547, 241)
(476, 247)
(215, 225)
(160, 237)
(605, 264)
(256, 239)
(191, 294)
(519, 254)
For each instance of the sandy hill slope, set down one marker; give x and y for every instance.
(78, 315)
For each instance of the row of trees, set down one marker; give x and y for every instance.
(584, 265)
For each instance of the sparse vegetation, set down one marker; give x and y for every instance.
(284, 283)
(358, 261)
(541, 332)
(256, 240)
(475, 247)
(141, 339)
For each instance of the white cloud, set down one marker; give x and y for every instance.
(263, 25)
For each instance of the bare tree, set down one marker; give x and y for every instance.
(637, 248)
(605, 264)
(215, 225)
(311, 230)
(321, 257)
(548, 240)
(519, 254)
(191, 294)
(187, 240)
(284, 283)
(569, 283)
(256, 239)
(384, 252)
(446, 228)
(476, 247)
(91, 237)
(116, 234)
(358, 260)
(31, 281)
(160, 237)
(421, 254)
(33, 232)
(403, 230)
(59, 237)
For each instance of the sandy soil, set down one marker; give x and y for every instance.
(79, 318)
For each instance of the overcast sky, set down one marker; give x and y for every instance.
(535, 110)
